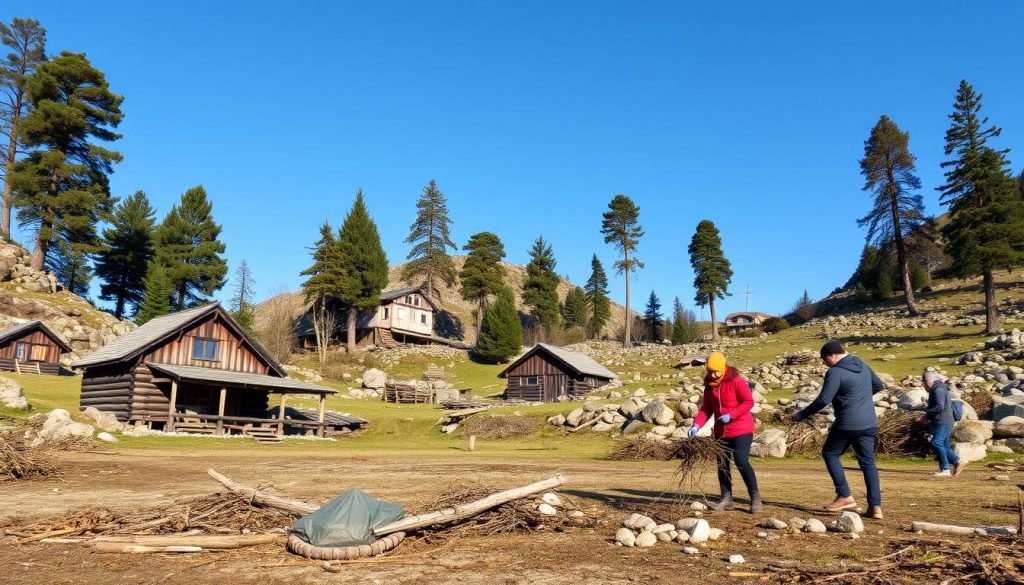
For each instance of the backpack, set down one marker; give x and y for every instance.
(958, 410)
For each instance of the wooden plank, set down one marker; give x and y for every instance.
(320, 417)
(280, 414)
(171, 404)
(220, 410)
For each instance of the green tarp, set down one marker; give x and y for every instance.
(347, 520)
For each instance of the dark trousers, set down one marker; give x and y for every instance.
(738, 449)
(940, 442)
(863, 443)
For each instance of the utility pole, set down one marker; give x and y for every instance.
(746, 300)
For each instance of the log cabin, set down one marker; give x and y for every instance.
(546, 373)
(31, 347)
(195, 370)
(744, 320)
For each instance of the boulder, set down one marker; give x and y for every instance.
(547, 510)
(625, 537)
(557, 420)
(916, 399)
(660, 528)
(657, 413)
(632, 406)
(602, 427)
(850, 522)
(1004, 406)
(700, 532)
(1009, 427)
(688, 409)
(574, 418)
(769, 443)
(106, 437)
(968, 452)
(815, 526)
(969, 412)
(646, 539)
(633, 426)
(639, 522)
(973, 431)
(59, 426)
(11, 394)
(103, 420)
(374, 378)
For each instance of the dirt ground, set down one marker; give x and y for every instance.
(132, 480)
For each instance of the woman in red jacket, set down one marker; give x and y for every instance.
(727, 397)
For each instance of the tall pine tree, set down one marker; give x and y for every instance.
(685, 328)
(364, 266)
(652, 317)
(126, 252)
(430, 237)
(621, 228)
(501, 336)
(598, 303)
(888, 169)
(712, 271)
(243, 297)
(540, 292)
(188, 247)
(70, 266)
(323, 281)
(482, 275)
(574, 311)
(156, 300)
(26, 40)
(985, 231)
(61, 189)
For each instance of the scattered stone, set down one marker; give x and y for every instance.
(736, 560)
(547, 510)
(715, 533)
(625, 537)
(798, 523)
(646, 539)
(691, 550)
(698, 506)
(700, 532)
(374, 378)
(552, 499)
(682, 537)
(850, 522)
(106, 437)
(1001, 477)
(815, 526)
(774, 524)
(11, 394)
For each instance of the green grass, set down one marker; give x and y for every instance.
(46, 393)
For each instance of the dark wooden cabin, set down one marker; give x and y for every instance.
(546, 373)
(31, 347)
(195, 370)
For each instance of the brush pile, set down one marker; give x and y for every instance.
(899, 435)
(806, 437)
(499, 427)
(696, 456)
(644, 449)
(19, 461)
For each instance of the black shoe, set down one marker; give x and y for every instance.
(724, 504)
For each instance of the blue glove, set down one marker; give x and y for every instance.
(725, 418)
(693, 431)
(797, 417)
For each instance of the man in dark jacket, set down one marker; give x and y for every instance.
(849, 387)
(939, 417)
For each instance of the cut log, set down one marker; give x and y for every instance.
(961, 530)
(297, 507)
(203, 541)
(118, 547)
(590, 422)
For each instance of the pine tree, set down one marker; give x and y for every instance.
(156, 300)
(364, 266)
(27, 42)
(125, 253)
(482, 275)
(804, 307)
(70, 265)
(598, 303)
(323, 282)
(242, 300)
(61, 188)
(685, 328)
(1020, 185)
(540, 292)
(620, 227)
(712, 271)
(188, 247)
(501, 335)
(986, 218)
(574, 311)
(430, 237)
(652, 316)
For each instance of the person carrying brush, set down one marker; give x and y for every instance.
(727, 397)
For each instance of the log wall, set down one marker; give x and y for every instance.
(108, 389)
(148, 402)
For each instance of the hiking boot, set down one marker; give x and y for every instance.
(959, 466)
(874, 512)
(840, 504)
(724, 504)
(945, 473)
(755, 503)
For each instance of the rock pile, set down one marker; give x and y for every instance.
(643, 531)
(58, 427)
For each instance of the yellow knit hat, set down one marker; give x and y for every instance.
(716, 362)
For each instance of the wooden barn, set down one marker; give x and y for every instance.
(546, 373)
(195, 370)
(31, 347)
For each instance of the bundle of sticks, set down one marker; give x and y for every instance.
(20, 461)
(900, 435)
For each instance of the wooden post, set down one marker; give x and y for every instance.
(220, 410)
(320, 417)
(170, 408)
(280, 415)
(472, 442)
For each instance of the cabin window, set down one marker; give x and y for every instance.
(531, 380)
(423, 318)
(204, 349)
(400, 314)
(386, 311)
(408, 299)
(21, 351)
(38, 353)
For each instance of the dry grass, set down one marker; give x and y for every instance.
(499, 427)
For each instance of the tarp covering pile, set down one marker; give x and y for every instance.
(347, 520)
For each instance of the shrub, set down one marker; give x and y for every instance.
(775, 324)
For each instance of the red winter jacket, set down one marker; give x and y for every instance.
(732, 397)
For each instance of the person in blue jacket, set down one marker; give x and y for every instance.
(939, 416)
(849, 387)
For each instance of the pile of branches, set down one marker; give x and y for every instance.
(806, 437)
(924, 561)
(644, 449)
(981, 402)
(900, 435)
(20, 461)
(499, 427)
(801, 358)
(696, 456)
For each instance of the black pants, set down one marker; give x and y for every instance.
(737, 448)
(863, 443)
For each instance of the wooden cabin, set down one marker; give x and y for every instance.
(195, 370)
(546, 373)
(736, 322)
(31, 348)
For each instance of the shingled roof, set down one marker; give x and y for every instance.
(581, 363)
(19, 330)
(233, 379)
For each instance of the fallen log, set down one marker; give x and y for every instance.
(961, 530)
(590, 422)
(297, 507)
(117, 547)
(200, 541)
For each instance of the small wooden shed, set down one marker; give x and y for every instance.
(31, 347)
(547, 372)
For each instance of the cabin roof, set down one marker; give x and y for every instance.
(391, 295)
(580, 363)
(160, 329)
(19, 330)
(235, 379)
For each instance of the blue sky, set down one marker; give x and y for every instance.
(532, 115)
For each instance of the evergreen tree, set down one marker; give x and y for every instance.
(188, 247)
(865, 277)
(482, 275)
(323, 282)
(574, 311)
(430, 238)
(27, 42)
(126, 252)
(242, 300)
(620, 227)
(364, 266)
(652, 316)
(685, 328)
(598, 303)
(540, 292)
(712, 271)
(70, 265)
(888, 169)
(986, 218)
(156, 300)
(501, 336)
(804, 307)
(61, 189)
(1020, 185)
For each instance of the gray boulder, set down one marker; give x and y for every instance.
(769, 443)
(1009, 427)
(103, 420)
(1004, 406)
(374, 378)
(973, 431)
(914, 400)
(969, 452)
(59, 426)
(632, 406)
(574, 418)
(11, 394)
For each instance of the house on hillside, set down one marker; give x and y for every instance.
(545, 373)
(741, 321)
(198, 371)
(404, 316)
(31, 347)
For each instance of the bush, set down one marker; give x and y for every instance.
(755, 332)
(775, 324)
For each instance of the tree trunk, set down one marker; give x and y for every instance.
(12, 153)
(901, 249)
(991, 310)
(714, 322)
(350, 342)
(479, 320)
(625, 336)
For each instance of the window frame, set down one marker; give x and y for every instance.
(20, 349)
(204, 343)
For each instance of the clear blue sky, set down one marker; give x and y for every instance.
(532, 115)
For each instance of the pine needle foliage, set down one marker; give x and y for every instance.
(430, 236)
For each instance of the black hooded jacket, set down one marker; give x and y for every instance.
(849, 387)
